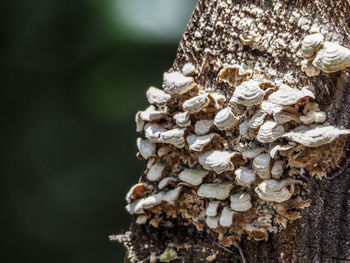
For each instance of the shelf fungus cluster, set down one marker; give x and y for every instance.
(323, 56)
(235, 164)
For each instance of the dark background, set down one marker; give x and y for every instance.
(73, 75)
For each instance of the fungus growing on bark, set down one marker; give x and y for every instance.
(221, 132)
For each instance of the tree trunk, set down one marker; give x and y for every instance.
(322, 233)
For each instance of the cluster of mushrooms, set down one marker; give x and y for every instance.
(235, 164)
(323, 55)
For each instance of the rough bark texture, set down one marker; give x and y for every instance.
(322, 234)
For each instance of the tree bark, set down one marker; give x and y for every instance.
(322, 234)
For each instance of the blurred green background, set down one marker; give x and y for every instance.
(74, 73)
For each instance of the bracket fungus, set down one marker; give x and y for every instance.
(177, 83)
(151, 114)
(219, 191)
(277, 169)
(156, 172)
(197, 143)
(313, 116)
(276, 191)
(192, 176)
(202, 127)
(240, 202)
(196, 104)
(174, 137)
(313, 136)
(182, 119)
(269, 132)
(153, 131)
(225, 119)
(332, 58)
(257, 120)
(248, 93)
(286, 95)
(261, 165)
(212, 221)
(157, 96)
(218, 161)
(226, 217)
(311, 44)
(212, 209)
(146, 148)
(245, 176)
(165, 182)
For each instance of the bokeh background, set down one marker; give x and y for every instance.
(73, 74)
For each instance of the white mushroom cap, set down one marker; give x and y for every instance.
(243, 129)
(245, 176)
(226, 217)
(151, 114)
(309, 69)
(172, 195)
(156, 172)
(313, 116)
(252, 153)
(146, 148)
(332, 58)
(174, 137)
(276, 148)
(153, 131)
(225, 119)
(197, 143)
(203, 126)
(138, 206)
(188, 69)
(257, 120)
(240, 202)
(196, 103)
(218, 98)
(165, 182)
(277, 169)
(276, 191)
(177, 83)
(284, 117)
(248, 93)
(137, 191)
(269, 132)
(269, 107)
(238, 109)
(212, 222)
(219, 191)
(218, 161)
(192, 176)
(314, 136)
(165, 149)
(182, 119)
(311, 44)
(139, 122)
(286, 95)
(261, 165)
(212, 209)
(157, 96)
